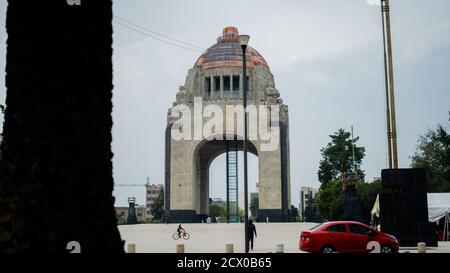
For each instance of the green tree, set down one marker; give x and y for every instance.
(367, 193)
(218, 210)
(157, 207)
(433, 155)
(311, 213)
(331, 200)
(121, 220)
(337, 157)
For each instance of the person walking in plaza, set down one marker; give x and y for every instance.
(251, 233)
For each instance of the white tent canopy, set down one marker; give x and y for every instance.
(438, 206)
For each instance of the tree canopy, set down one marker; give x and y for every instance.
(157, 207)
(433, 154)
(331, 199)
(337, 157)
(254, 206)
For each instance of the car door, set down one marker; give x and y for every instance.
(336, 237)
(359, 237)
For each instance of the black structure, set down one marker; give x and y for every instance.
(244, 76)
(131, 219)
(352, 205)
(404, 208)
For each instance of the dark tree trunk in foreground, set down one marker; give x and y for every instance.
(56, 171)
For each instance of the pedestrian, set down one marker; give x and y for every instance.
(251, 232)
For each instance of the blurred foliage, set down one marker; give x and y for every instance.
(433, 155)
(337, 157)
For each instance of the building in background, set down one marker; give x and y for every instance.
(306, 195)
(143, 212)
(217, 201)
(151, 194)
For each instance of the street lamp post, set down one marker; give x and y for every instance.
(243, 40)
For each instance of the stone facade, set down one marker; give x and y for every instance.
(217, 80)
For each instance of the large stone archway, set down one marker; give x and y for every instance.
(204, 155)
(216, 81)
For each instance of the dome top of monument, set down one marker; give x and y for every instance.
(227, 52)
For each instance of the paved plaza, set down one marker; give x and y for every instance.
(212, 238)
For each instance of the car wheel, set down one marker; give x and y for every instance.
(328, 249)
(386, 249)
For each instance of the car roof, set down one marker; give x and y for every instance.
(344, 222)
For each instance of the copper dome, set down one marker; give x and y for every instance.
(227, 52)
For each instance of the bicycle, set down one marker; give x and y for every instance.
(183, 235)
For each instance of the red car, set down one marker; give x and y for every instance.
(347, 237)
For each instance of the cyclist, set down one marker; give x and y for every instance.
(179, 229)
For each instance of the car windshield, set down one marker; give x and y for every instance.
(316, 227)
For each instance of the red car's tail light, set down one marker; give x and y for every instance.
(304, 236)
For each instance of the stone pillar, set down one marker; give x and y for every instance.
(231, 86)
(131, 248)
(279, 248)
(180, 248)
(270, 190)
(241, 86)
(229, 248)
(421, 247)
(221, 86)
(181, 188)
(213, 86)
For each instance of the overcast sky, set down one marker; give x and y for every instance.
(327, 60)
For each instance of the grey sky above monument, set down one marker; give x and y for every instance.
(326, 57)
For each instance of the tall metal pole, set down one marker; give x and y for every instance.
(391, 83)
(386, 81)
(244, 76)
(353, 151)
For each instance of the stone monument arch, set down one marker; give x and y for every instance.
(211, 99)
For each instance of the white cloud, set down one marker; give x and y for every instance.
(374, 2)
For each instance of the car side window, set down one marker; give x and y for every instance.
(358, 229)
(336, 228)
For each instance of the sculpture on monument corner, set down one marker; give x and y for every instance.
(131, 219)
(350, 179)
(352, 206)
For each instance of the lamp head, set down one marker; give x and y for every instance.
(243, 40)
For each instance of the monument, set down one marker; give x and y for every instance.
(206, 120)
